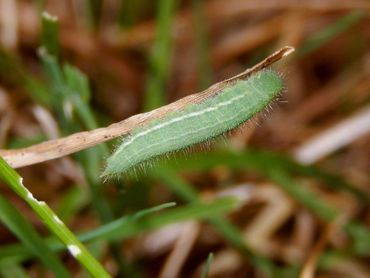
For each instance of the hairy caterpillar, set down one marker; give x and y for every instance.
(231, 106)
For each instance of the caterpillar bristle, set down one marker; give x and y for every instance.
(198, 125)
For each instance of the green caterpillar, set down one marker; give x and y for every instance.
(196, 123)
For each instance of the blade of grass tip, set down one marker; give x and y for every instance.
(133, 225)
(160, 56)
(206, 267)
(14, 251)
(52, 222)
(17, 253)
(143, 224)
(50, 33)
(231, 233)
(201, 40)
(130, 226)
(117, 225)
(323, 36)
(226, 228)
(145, 212)
(30, 238)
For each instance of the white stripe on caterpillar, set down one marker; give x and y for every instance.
(196, 123)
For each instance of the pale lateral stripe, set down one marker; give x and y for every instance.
(143, 150)
(178, 119)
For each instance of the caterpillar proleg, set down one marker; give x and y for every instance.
(230, 107)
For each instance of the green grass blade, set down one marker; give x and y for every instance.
(130, 11)
(201, 40)
(303, 196)
(30, 238)
(330, 180)
(192, 212)
(77, 82)
(72, 87)
(231, 233)
(359, 233)
(272, 168)
(73, 91)
(262, 161)
(73, 201)
(13, 270)
(160, 56)
(133, 225)
(115, 228)
(206, 267)
(94, 11)
(19, 142)
(14, 71)
(50, 33)
(176, 185)
(327, 34)
(54, 73)
(17, 252)
(53, 223)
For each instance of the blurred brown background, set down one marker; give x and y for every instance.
(130, 50)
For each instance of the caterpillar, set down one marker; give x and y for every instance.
(231, 106)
